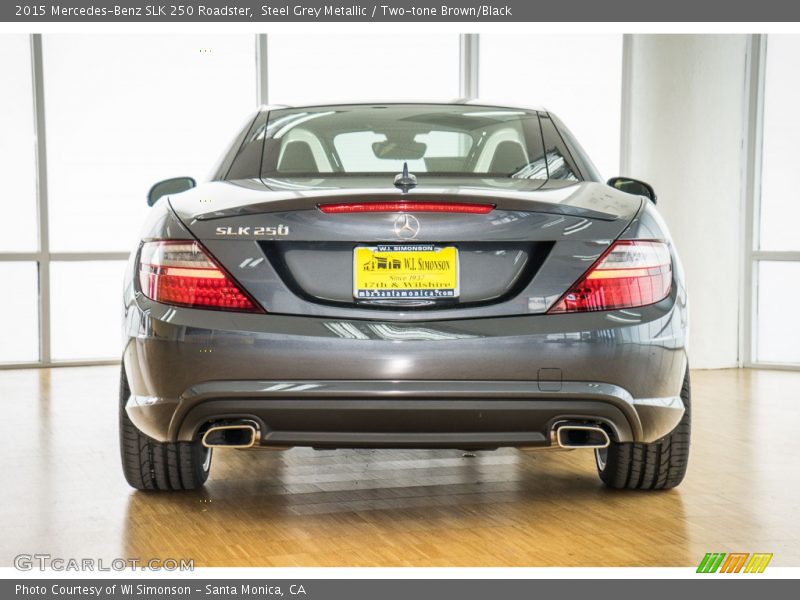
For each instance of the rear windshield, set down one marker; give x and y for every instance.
(448, 140)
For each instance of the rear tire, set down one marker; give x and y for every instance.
(657, 466)
(151, 465)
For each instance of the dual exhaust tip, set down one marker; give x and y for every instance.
(572, 435)
(241, 434)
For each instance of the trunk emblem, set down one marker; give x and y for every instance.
(406, 226)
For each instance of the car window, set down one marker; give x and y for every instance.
(444, 151)
(302, 151)
(432, 139)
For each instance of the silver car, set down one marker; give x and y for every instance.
(404, 276)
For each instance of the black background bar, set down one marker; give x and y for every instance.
(399, 11)
(709, 585)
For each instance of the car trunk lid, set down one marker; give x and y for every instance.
(519, 257)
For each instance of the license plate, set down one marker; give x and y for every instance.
(397, 271)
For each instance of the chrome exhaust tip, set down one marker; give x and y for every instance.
(582, 436)
(232, 435)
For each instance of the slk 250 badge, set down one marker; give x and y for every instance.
(268, 230)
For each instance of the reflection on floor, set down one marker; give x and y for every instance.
(64, 493)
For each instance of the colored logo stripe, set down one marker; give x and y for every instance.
(734, 563)
(711, 562)
(758, 563)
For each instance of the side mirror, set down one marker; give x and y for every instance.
(633, 186)
(176, 185)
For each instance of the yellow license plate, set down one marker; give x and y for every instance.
(398, 271)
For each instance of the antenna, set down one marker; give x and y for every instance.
(405, 180)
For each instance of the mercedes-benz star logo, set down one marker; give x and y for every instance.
(406, 226)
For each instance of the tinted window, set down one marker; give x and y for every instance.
(378, 139)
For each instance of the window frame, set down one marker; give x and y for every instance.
(753, 255)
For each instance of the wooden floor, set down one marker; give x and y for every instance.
(63, 492)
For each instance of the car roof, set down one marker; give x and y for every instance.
(482, 102)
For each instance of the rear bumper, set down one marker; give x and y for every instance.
(465, 384)
(402, 414)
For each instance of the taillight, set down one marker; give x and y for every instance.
(629, 274)
(402, 206)
(182, 273)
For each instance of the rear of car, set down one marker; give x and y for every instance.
(405, 276)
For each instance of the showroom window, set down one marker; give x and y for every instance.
(87, 97)
(578, 77)
(19, 242)
(776, 260)
(126, 111)
(342, 68)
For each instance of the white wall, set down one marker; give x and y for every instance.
(685, 134)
